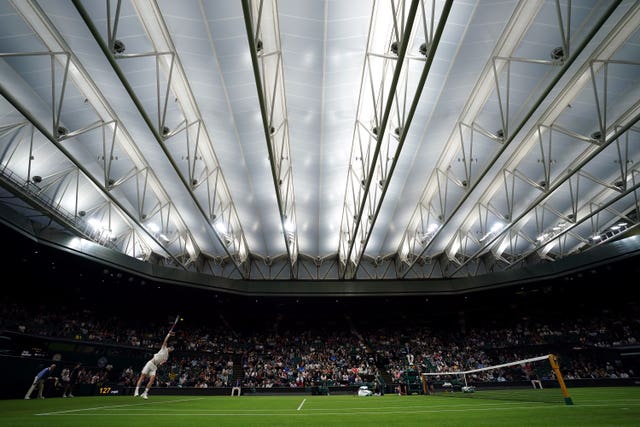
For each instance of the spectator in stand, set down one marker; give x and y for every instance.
(127, 377)
(39, 381)
(65, 376)
(73, 380)
(151, 367)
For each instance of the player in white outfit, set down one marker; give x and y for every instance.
(151, 367)
(364, 391)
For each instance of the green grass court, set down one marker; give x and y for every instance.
(605, 406)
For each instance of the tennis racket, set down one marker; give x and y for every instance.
(174, 323)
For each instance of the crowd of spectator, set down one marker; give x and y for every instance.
(285, 352)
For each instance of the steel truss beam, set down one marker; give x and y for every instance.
(63, 188)
(53, 193)
(452, 183)
(372, 166)
(202, 178)
(550, 233)
(263, 32)
(569, 179)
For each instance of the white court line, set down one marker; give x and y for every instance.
(316, 413)
(300, 407)
(435, 408)
(147, 406)
(118, 406)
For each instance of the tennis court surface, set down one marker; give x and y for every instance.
(610, 406)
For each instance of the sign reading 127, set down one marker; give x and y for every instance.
(102, 391)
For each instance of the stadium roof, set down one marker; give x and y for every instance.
(343, 145)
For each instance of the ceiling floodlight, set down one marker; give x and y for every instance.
(455, 246)
(220, 227)
(497, 227)
(289, 226)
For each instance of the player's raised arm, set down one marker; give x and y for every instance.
(166, 339)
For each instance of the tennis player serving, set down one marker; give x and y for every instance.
(151, 367)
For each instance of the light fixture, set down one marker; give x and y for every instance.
(289, 226)
(220, 227)
(423, 49)
(395, 47)
(61, 131)
(119, 47)
(557, 53)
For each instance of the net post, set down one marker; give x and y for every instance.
(556, 369)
